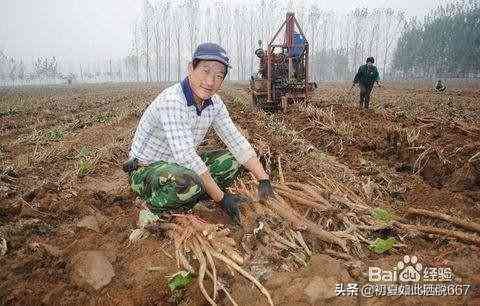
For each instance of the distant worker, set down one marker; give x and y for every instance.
(70, 78)
(439, 86)
(164, 167)
(366, 76)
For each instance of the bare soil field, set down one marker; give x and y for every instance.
(63, 192)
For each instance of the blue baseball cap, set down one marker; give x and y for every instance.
(211, 52)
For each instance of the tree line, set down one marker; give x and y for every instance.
(445, 44)
(166, 33)
(43, 69)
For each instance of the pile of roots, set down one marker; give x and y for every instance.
(321, 217)
(208, 244)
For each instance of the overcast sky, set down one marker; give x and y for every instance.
(83, 29)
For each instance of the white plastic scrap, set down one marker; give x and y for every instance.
(145, 217)
(259, 228)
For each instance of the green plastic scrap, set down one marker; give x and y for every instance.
(380, 245)
(179, 280)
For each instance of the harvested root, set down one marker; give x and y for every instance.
(442, 232)
(203, 267)
(290, 195)
(282, 209)
(207, 242)
(465, 224)
(222, 287)
(279, 238)
(338, 254)
(328, 212)
(298, 236)
(228, 250)
(206, 249)
(232, 264)
(138, 234)
(312, 191)
(294, 198)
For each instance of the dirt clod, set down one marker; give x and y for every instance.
(91, 270)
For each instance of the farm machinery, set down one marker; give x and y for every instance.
(282, 76)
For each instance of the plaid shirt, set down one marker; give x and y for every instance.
(172, 127)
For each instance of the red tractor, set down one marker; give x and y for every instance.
(282, 76)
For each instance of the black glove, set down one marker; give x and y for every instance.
(130, 165)
(230, 203)
(265, 190)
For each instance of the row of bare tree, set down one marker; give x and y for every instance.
(167, 32)
(14, 71)
(11, 69)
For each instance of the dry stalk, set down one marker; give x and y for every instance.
(412, 136)
(422, 160)
(298, 236)
(280, 170)
(474, 157)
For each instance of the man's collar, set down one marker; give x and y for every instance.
(188, 93)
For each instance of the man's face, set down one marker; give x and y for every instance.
(206, 78)
(369, 64)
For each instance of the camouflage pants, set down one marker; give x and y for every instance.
(169, 186)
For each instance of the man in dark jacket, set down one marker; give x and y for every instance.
(439, 86)
(366, 76)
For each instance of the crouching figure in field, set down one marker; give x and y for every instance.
(164, 167)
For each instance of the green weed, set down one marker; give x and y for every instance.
(84, 168)
(103, 118)
(55, 135)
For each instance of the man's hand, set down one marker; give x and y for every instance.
(130, 165)
(379, 85)
(230, 203)
(265, 190)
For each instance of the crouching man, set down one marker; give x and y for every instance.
(164, 166)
